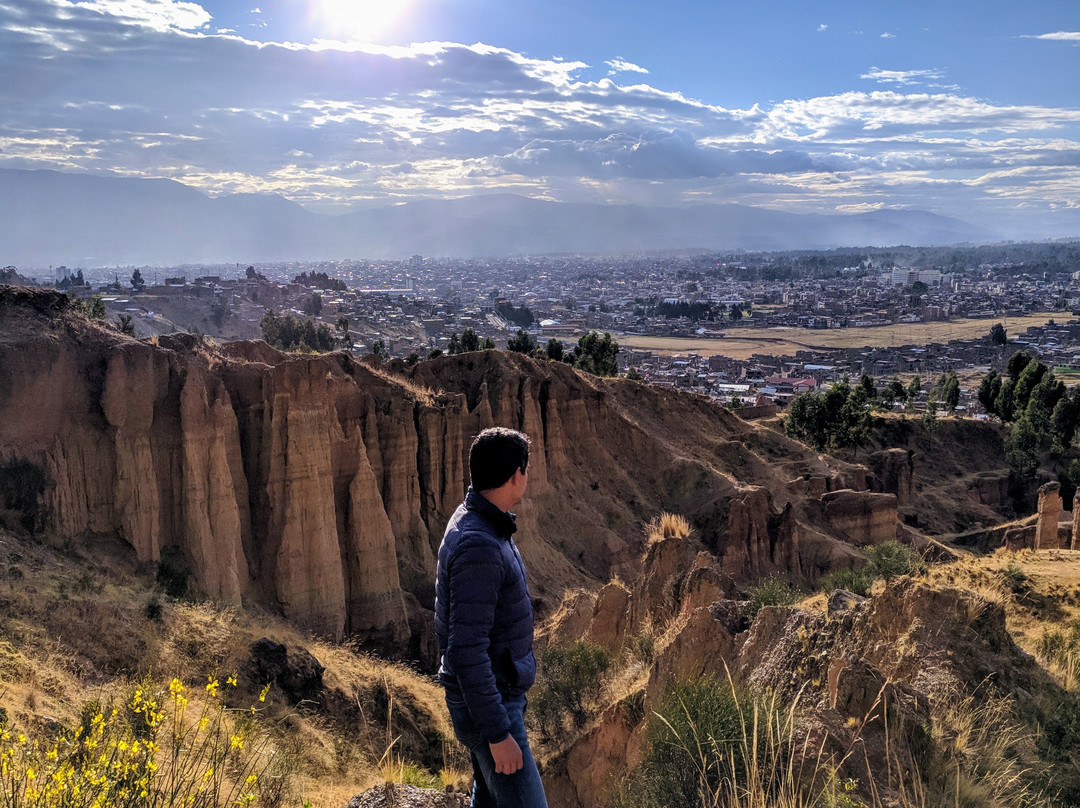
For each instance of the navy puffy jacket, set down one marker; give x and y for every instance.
(483, 616)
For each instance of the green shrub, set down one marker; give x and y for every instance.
(857, 581)
(891, 559)
(569, 684)
(642, 647)
(1015, 579)
(772, 591)
(712, 743)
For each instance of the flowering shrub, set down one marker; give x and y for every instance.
(152, 754)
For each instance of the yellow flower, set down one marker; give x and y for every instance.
(265, 690)
(231, 680)
(237, 741)
(212, 687)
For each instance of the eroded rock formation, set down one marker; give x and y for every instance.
(319, 485)
(1046, 528)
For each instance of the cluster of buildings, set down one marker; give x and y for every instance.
(415, 306)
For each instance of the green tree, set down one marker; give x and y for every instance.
(312, 305)
(470, 341)
(929, 419)
(735, 313)
(950, 390)
(634, 375)
(597, 354)
(343, 331)
(855, 416)
(918, 291)
(1022, 449)
(521, 342)
(555, 349)
(913, 389)
(989, 388)
(137, 282)
(435, 353)
(125, 325)
(1029, 377)
(93, 309)
(805, 420)
(1063, 425)
(866, 382)
(998, 335)
(1005, 403)
(1044, 397)
(894, 392)
(288, 333)
(1017, 362)
(454, 346)
(378, 350)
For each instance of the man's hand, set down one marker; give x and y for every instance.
(507, 755)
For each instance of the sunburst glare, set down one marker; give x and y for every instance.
(361, 20)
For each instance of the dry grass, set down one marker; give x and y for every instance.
(1039, 589)
(425, 395)
(76, 629)
(742, 343)
(667, 526)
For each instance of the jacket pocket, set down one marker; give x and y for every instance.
(521, 671)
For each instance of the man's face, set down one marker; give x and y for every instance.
(519, 481)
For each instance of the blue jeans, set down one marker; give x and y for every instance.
(523, 788)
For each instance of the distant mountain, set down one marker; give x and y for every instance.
(52, 218)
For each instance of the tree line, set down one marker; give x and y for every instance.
(841, 417)
(1041, 413)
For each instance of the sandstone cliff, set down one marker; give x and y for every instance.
(319, 485)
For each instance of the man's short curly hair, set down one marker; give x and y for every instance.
(495, 455)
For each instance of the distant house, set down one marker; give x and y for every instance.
(790, 385)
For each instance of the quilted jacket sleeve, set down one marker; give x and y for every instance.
(476, 575)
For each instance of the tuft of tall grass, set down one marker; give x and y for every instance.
(1060, 648)
(150, 753)
(667, 526)
(714, 744)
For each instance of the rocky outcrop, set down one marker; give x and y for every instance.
(1074, 539)
(864, 673)
(894, 473)
(863, 518)
(319, 486)
(1046, 528)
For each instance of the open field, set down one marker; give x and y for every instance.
(742, 343)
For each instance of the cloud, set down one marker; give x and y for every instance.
(822, 27)
(900, 77)
(134, 87)
(620, 65)
(157, 14)
(1057, 36)
(887, 35)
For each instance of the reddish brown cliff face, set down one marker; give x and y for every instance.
(319, 486)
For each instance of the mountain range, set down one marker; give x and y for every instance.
(51, 218)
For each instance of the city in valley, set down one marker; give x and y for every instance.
(746, 329)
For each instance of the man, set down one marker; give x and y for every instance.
(484, 624)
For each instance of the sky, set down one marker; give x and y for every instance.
(968, 109)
